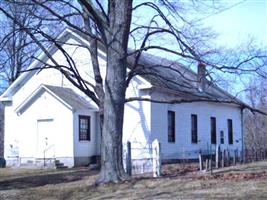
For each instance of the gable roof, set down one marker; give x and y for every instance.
(35, 66)
(173, 75)
(66, 96)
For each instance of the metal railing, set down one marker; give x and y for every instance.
(46, 150)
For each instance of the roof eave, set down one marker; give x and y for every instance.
(5, 98)
(36, 92)
(23, 77)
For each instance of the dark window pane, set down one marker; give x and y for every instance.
(84, 128)
(194, 128)
(213, 130)
(222, 137)
(171, 126)
(230, 131)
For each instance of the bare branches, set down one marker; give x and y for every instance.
(75, 77)
(15, 46)
(255, 125)
(188, 41)
(193, 43)
(99, 19)
(165, 29)
(99, 88)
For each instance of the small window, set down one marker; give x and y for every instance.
(230, 131)
(84, 128)
(194, 129)
(213, 130)
(222, 137)
(171, 126)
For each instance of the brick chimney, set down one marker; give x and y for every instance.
(201, 76)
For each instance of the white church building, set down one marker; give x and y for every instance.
(46, 116)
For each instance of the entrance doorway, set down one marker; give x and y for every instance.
(45, 139)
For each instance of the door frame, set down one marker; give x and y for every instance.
(38, 154)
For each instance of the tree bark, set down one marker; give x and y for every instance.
(115, 87)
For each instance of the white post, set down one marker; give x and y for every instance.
(200, 160)
(156, 151)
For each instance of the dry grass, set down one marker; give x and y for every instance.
(239, 182)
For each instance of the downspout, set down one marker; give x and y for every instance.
(242, 133)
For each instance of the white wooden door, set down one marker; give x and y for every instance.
(45, 139)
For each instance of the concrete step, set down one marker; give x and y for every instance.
(57, 161)
(59, 165)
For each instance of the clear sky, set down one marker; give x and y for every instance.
(247, 18)
(243, 20)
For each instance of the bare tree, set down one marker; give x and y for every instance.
(255, 124)
(16, 49)
(109, 24)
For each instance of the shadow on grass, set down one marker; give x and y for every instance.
(41, 180)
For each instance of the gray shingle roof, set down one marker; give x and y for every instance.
(172, 75)
(70, 97)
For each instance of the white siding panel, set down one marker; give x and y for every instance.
(137, 115)
(85, 148)
(44, 108)
(183, 126)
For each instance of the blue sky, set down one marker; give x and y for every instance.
(246, 19)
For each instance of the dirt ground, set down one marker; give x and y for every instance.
(178, 182)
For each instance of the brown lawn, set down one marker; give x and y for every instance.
(179, 182)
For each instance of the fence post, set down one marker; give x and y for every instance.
(129, 159)
(242, 156)
(210, 165)
(218, 149)
(223, 157)
(237, 156)
(246, 156)
(210, 159)
(207, 164)
(234, 158)
(228, 158)
(200, 161)
(156, 149)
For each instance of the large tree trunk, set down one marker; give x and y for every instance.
(115, 86)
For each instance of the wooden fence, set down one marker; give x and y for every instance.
(143, 160)
(228, 157)
(148, 160)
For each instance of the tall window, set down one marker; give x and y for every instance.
(230, 131)
(222, 137)
(213, 130)
(171, 126)
(194, 128)
(84, 128)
